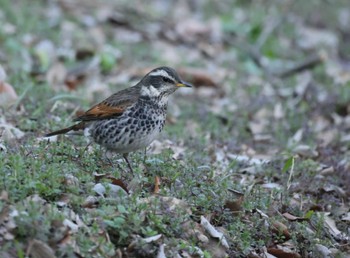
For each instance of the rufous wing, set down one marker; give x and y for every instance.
(103, 111)
(113, 106)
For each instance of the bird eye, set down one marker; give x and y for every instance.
(167, 80)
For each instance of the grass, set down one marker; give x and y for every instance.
(48, 183)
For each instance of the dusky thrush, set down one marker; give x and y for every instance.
(132, 118)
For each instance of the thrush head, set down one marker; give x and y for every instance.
(161, 82)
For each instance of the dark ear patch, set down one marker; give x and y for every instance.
(156, 81)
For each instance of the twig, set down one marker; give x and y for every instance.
(309, 63)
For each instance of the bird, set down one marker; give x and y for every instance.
(132, 118)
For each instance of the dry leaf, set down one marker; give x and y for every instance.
(346, 217)
(71, 225)
(114, 191)
(56, 76)
(330, 224)
(3, 74)
(327, 137)
(69, 179)
(4, 196)
(198, 77)
(167, 205)
(234, 205)
(152, 238)
(161, 253)
(9, 132)
(279, 228)
(39, 249)
(90, 202)
(156, 185)
(85, 71)
(8, 95)
(296, 137)
(271, 186)
(322, 251)
(45, 52)
(262, 214)
(327, 171)
(291, 217)
(305, 151)
(158, 147)
(118, 182)
(338, 71)
(283, 253)
(278, 111)
(310, 38)
(214, 232)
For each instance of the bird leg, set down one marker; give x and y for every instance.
(111, 163)
(144, 156)
(144, 160)
(125, 156)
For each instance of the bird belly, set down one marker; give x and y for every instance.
(138, 142)
(126, 134)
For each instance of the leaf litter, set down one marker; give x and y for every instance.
(274, 98)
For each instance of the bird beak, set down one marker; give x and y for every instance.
(184, 84)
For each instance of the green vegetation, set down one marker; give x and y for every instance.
(259, 149)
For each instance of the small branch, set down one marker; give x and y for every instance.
(309, 63)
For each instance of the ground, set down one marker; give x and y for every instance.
(254, 160)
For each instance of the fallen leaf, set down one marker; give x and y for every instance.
(305, 151)
(262, 214)
(322, 251)
(280, 229)
(4, 196)
(296, 137)
(71, 225)
(3, 74)
(198, 77)
(334, 188)
(84, 71)
(69, 179)
(56, 76)
(167, 205)
(9, 132)
(90, 202)
(214, 232)
(310, 38)
(161, 253)
(330, 224)
(271, 186)
(278, 111)
(152, 238)
(118, 182)
(158, 147)
(234, 205)
(45, 52)
(8, 95)
(346, 217)
(39, 249)
(114, 191)
(291, 217)
(283, 253)
(156, 185)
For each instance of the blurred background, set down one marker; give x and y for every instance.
(272, 82)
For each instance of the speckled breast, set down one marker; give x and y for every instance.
(136, 128)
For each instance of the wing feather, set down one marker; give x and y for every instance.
(113, 106)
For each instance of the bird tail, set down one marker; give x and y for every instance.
(76, 127)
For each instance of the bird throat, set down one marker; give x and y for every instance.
(153, 95)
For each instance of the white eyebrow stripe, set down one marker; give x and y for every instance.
(161, 73)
